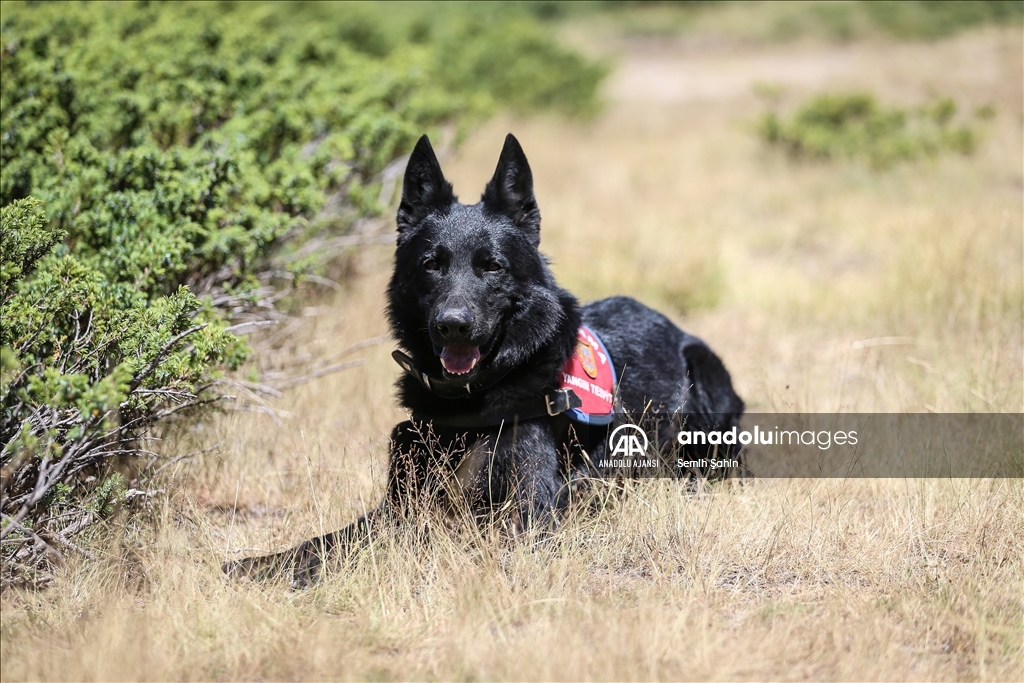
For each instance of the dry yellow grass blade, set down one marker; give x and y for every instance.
(823, 288)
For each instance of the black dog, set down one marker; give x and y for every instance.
(488, 336)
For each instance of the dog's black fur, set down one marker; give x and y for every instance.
(473, 303)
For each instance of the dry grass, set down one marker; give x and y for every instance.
(669, 197)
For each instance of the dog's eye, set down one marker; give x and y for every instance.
(431, 265)
(492, 266)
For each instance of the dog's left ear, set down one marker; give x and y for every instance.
(424, 188)
(510, 191)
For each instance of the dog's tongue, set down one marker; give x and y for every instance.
(458, 360)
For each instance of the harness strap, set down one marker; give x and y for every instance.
(555, 403)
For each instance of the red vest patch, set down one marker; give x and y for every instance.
(589, 372)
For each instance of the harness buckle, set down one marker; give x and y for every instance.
(561, 401)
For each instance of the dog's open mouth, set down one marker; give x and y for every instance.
(458, 359)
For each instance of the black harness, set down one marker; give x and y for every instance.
(554, 403)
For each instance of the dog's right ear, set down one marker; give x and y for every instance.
(424, 189)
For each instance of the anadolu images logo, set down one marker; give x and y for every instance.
(627, 441)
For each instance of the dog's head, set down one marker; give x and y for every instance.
(471, 293)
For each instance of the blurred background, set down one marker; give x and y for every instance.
(198, 203)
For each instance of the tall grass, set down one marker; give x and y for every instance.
(773, 579)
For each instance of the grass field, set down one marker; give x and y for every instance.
(782, 267)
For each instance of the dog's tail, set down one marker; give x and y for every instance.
(259, 568)
(303, 564)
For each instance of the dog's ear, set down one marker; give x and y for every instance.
(510, 191)
(424, 189)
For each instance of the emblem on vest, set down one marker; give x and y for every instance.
(587, 360)
(589, 373)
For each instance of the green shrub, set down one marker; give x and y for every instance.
(855, 126)
(161, 163)
(937, 18)
(775, 22)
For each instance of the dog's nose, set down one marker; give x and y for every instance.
(454, 324)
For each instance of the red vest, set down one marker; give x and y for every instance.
(589, 372)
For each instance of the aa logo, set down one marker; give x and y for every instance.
(627, 441)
